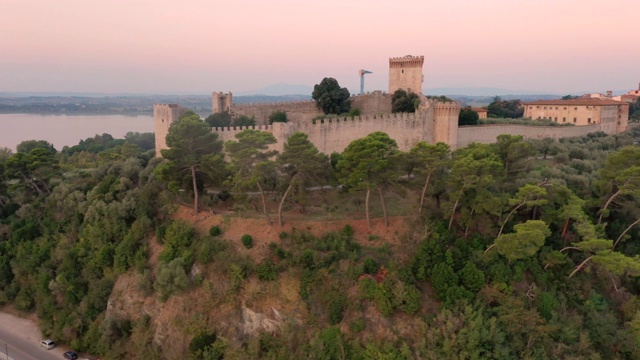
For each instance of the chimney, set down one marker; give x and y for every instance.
(609, 94)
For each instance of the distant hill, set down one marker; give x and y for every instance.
(477, 91)
(280, 89)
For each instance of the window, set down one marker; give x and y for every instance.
(564, 119)
(537, 107)
(555, 119)
(589, 120)
(565, 108)
(575, 108)
(545, 108)
(575, 120)
(556, 108)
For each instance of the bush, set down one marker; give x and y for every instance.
(247, 241)
(337, 306)
(267, 271)
(201, 341)
(215, 230)
(283, 235)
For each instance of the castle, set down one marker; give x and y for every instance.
(434, 121)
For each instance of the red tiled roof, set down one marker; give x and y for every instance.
(479, 109)
(574, 102)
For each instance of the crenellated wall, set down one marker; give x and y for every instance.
(297, 111)
(334, 135)
(487, 134)
(375, 102)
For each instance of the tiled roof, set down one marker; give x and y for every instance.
(574, 102)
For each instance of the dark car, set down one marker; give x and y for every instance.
(71, 355)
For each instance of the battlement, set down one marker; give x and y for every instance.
(167, 105)
(268, 128)
(406, 61)
(376, 117)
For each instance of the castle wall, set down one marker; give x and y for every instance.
(297, 111)
(487, 134)
(375, 102)
(334, 135)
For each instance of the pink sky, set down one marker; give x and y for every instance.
(558, 46)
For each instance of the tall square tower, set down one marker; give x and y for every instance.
(406, 73)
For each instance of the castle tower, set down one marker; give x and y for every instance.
(406, 73)
(221, 102)
(164, 115)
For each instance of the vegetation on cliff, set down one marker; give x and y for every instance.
(518, 249)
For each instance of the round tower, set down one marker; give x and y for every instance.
(406, 73)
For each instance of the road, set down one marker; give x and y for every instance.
(22, 339)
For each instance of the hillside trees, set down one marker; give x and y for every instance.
(474, 169)
(302, 166)
(330, 97)
(192, 148)
(425, 159)
(250, 162)
(369, 163)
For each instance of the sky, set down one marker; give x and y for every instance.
(200, 46)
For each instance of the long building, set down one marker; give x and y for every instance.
(611, 116)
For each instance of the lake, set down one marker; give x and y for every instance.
(67, 130)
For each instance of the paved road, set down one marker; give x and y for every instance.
(23, 346)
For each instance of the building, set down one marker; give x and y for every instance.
(406, 73)
(611, 116)
(482, 112)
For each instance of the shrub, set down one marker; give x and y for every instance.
(267, 271)
(201, 341)
(247, 241)
(215, 230)
(370, 266)
(283, 235)
(337, 306)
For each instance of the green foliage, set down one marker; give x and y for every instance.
(177, 239)
(403, 102)
(468, 116)
(244, 120)
(525, 242)
(330, 97)
(278, 116)
(171, 278)
(267, 270)
(247, 241)
(337, 307)
(505, 108)
(546, 303)
(218, 120)
(215, 230)
(28, 145)
(442, 279)
(471, 277)
(205, 346)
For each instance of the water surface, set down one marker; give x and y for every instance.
(67, 130)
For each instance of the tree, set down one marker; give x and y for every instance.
(33, 169)
(368, 163)
(514, 152)
(527, 196)
(468, 116)
(403, 102)
(474, 167)
(27, 146)
(525, 242)
(278, 116)
(145, 141)
(425, 159)
(218, 120)
(244, 120)
(192, 146)
(620, 177)
(250, 161)
(499, 108)
(302, 165)
(330, 97)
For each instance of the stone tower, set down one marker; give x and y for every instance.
(164, 115)
(406, 73)
(221, 102)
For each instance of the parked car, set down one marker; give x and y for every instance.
(47, 344)
(71, 355)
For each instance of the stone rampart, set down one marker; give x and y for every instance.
(297, 111)
(487, 134)
(335, 134)
(376, 102)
